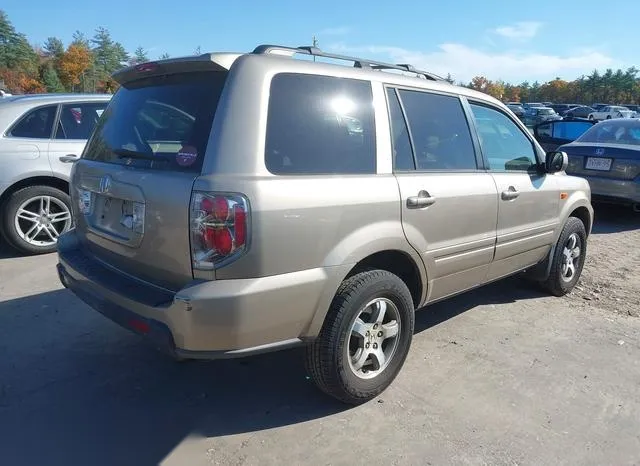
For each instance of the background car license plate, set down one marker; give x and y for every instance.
(598, 164)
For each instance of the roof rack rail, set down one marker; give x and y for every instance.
(357, 62)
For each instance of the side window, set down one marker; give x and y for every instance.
(77, 121)
(440, 132)
(402, 153)
(37, 124)
(319, 124)
(503, 143)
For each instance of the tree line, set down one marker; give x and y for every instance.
(84, 65)
(620, 86)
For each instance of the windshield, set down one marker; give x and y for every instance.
(159, 122)
(612, 133)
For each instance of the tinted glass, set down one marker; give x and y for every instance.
(319, 124)
(36, 124)
(613, 133)
(159, 122)
(503, 143)
(77, 121)
(441, 136)
(402, 153)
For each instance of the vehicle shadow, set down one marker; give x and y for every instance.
(6, 251)
(610, 218)
(504, 291)
(87, 392)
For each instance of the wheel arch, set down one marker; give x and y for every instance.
(406, 264)
(583, 214)
(44, 180)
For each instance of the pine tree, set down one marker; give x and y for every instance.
(51, 80)
(53, 48)
(15, 51)
(140, 55)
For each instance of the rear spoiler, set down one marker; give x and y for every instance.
(205, 62)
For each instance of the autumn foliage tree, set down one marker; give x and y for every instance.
(72, 64)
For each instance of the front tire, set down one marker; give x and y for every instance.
(365, 338)
(568, 258)
(34, 217)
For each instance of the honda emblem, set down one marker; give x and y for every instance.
(105, 184)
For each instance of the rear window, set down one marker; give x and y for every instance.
(612, 133)
(320, 124)
(159, 122)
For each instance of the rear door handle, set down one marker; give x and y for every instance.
(69, 158)
(510, 194)
(423, 199)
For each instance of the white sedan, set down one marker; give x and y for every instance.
(612, 111)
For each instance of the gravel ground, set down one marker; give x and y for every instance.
(500, 375)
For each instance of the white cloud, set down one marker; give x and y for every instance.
(335, 31)
(521, 30)
(464, 62)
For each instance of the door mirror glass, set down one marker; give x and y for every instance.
(556, 161)
(566, 130)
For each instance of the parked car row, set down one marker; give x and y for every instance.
(533, 113)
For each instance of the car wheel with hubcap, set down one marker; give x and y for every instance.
(34, 218)
(365, 338)
(568, 258)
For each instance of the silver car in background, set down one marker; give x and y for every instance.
(40, 135)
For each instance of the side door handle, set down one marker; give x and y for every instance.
(510, 194)
(70, 158)
(423, 199)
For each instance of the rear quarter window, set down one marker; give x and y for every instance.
(320, 125)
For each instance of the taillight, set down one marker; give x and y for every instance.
(219, 229)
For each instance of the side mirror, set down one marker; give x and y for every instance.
(556, 161)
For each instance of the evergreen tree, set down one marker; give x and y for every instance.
(53, 48)
(140, 55)
(15, 51)
(51, 80)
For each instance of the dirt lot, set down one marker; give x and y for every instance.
(501, 375)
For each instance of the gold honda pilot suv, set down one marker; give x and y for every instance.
(232, 204)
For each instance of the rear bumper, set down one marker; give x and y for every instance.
(612, 190)
(205, 320)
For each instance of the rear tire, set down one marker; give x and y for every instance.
(365, 338)
(42, 211)
(568, 258)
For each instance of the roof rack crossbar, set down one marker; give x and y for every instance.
(357, 62)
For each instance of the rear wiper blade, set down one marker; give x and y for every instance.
(126, 153)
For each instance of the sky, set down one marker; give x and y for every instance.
(509, 40)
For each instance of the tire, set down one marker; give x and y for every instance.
(608, 117)
(332, 358)
(28, 202)
(562, 278)
(591, 117)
